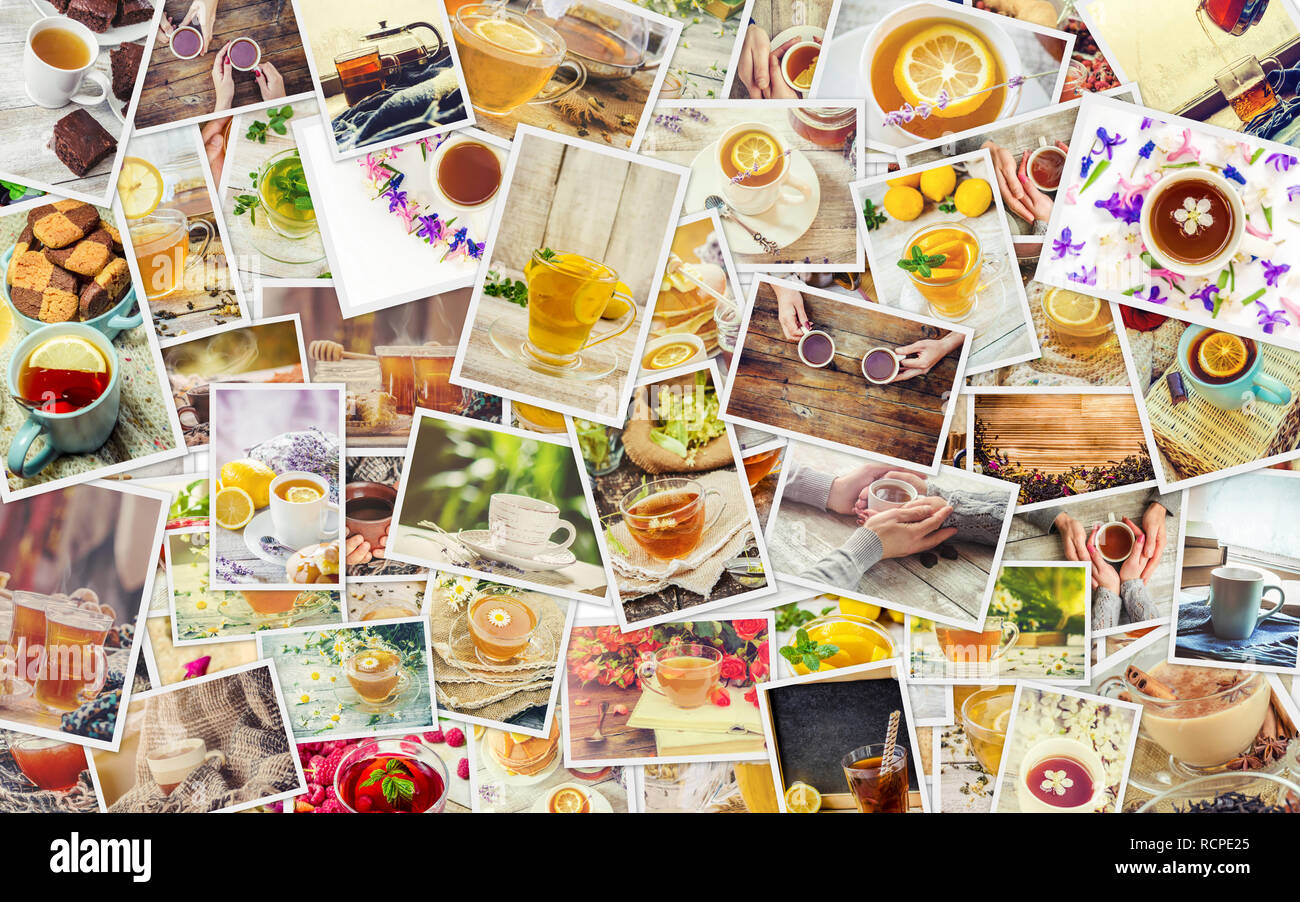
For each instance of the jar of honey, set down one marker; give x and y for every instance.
(824, 126)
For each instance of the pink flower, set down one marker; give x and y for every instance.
(748, 629)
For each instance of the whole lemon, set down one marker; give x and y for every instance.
(905, 181)
(253, 476)
(904, 203)
(973, 197)
(937, 183)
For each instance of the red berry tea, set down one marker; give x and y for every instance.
(388, 784)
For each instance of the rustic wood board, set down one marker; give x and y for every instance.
(1054, 432)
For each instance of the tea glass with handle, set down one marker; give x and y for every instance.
(487, 66)
(653, 666)
(567, 295)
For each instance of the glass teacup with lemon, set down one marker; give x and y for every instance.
(1076, 320)
(755, 166)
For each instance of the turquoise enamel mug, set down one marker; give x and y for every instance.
(73, 432)
(1244, 390)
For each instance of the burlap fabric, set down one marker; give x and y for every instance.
(640, 574)
(493, 692)
(17, 794)
(238, 715)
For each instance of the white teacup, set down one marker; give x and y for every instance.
(171, 764)
(755, 199)
(524, 526)
(887, 487)
(1240, 240)
(298, 524)
(52, 87)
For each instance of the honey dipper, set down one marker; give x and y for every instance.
(323, 349)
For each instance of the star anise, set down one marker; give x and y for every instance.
(1245, 762)
(1270, 749)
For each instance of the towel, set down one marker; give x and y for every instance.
(418, 97)
(1274, 643)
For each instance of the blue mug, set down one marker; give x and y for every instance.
(1242, 392)
(115, 319)
(74, 432)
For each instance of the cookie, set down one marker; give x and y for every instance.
(85, 258)
(41, 290)
(105, 290)
(63, 222)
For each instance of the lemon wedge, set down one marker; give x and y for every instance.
(68, 352)
(801, 798)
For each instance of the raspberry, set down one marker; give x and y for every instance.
(323, 770)
(316, 796)
(411, 738)
(619, 710)
(434, 737)
(455, 737)
(462, 768)
(331, 807)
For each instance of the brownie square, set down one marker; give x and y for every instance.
(81, 142)
(125, 60)
(60, 6)
(132, 12)
(97, 15)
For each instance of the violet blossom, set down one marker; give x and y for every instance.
(1115, 205)
(1273, 272)
(1062, 247)
(1269, 319)
(1084, 276)
(1205, 295)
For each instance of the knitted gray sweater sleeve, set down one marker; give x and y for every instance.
(1133, 604)
(977, 516)
(860, 552)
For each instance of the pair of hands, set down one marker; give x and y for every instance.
(1147, 547)
(359, 551)
(759, 68)
(919, 357)
(910, 529)
(1018, 193)
(202, 15)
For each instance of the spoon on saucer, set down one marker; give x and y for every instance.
(714, 202)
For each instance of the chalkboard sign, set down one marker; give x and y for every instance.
(816, 724)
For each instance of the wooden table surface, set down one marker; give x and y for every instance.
(704, 52)
(177, 89)
(621, 741)
(803, 535)
(1053, 433)
(607, 490)
(1003, 328)
(244, 157)
(1026, 542)
(773, 387)
(28, 128)
(833, 234)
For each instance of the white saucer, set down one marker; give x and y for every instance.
(262, 525)
(599, 804)
(500, 775)
(783, 223)
(113, 36)
(553, 558)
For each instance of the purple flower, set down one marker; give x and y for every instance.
(1062, 247)
(396, 199)
(1108, 142)
(1292, 192)
(1206, 296)
(1084, 276)
(1145, 150)
(1273, 272)
(1015, 81)
(1268, 319)
(431, 228)
(1281, 162)
(1085, 165)
(1153, 296)
(1129, 212)
(1230, 172)
(1146, 124)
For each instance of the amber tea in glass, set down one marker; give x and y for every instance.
(506, 59)
(684, 674)
(875, 789)
(361, 73)
(500, 626)
(74, 657)
(1245, 86)
(433, 388)
(397, 376)
(951, 286)
(667, 517)
(374, 673)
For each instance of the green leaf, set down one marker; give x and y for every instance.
(812, 662)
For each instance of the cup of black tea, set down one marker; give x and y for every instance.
(1115, 541)
(368, 509)
(880, 366)
(816, 348)
(886, 494)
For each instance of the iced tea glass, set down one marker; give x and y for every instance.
(952, 286)
(75, 663)
(875, 789)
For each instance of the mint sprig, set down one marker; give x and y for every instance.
(806, 651)
(394, 781)
(920, 263)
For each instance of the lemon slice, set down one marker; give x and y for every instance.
(801, 798)
(755, 153)
(1222, 355)
(946, 59)
(301, 494)
(233, 508)
(670, 355)
(509, 35)
(1069, 308)
(68, 352)
(803, 81)
(1000, 722)
(140, 187)
(540, 415)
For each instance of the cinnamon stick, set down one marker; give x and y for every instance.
(1147, 684)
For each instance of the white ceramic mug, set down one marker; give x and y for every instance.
(524, 526)
(171, 764)
(301, 523)
(876, 503)
(52, 87)
(1059, 747)
(1113, 523)
(755, 199)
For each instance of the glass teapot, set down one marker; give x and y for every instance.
(612, 43)
(401, 45)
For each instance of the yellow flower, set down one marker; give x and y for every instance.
(304, 699)
(201, 605)
(315, 674)
(335, 718)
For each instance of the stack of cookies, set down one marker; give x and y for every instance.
(67, 264)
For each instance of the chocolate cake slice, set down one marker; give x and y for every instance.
(81, 142)
(97, 15)
(133, 12)
(125, 60)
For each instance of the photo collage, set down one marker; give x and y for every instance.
(634, 406)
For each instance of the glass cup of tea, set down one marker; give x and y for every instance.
(161, 242)
(414, 762)
(960, 271)
(173, 762)
(984, 717)
(501, 627)
(684, 674)
(433, 389)
(877, 786)
(376, 675)
(75, 664)
(272, 601)
(48, 763)
(1244, 84)
(667, 517)
(397, 375)
(761, 465)
(362, 72)
(977, 652)
(567, 295)
(1076, 320)
(282, 193)
(508, 59)
(612, 44)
